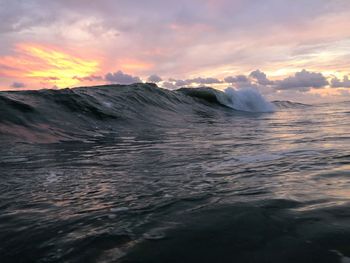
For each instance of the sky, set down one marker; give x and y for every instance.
(287, 49)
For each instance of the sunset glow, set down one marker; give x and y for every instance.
(45, 64)
(175, 131)
(69, 44)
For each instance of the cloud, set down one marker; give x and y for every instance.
(41, 63)
(154, 78)
(175, 83)
(198, 81)
(120, 78)
(89, 78)
(50, 78)
(236, 79)
(337, 83)
(302, 81)
(260, 77)
(240, 81)
(181, 36)
(169, 85)
(180, 82)
(205, 81)
(17, 85)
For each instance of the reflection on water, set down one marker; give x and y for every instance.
(102, 199)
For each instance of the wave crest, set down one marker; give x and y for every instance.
(90, 111)
(248, 99)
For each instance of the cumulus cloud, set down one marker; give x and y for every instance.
(84, 22)
(169, 85)
(302, 81)
(154, 78)
(121, 78)
(240, 81)
(337, 83)
(204, 81)
(180, 82)
(236, 79)
(17, 85)
(196, 81)
(260, 77)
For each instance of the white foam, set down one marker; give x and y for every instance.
(248, 99)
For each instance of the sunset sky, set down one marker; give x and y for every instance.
(288, 49)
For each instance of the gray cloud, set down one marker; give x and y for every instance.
(204, 81)
(180, 82)
(120, 78)
(16, 16)
(169, 85)
(154, 78)
(236, 79)
(17, 85)
(247, 13)
(198, 81)
(302, 81)
(177, 82)
(337, 83)
(260, 77)
(158, 31)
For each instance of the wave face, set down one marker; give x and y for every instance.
(248, 99)
(70, 113)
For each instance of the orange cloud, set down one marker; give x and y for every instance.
(47, 65)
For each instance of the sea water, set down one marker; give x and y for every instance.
(139, 174)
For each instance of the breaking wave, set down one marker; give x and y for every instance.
(248, 99)
(72, 113)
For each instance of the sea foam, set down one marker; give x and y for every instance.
(248, 99)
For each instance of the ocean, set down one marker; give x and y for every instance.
(141, 174)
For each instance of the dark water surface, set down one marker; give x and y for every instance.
(206, 184)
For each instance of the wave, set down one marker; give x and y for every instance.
(285, 104)
(248, 99)
(88, 111)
